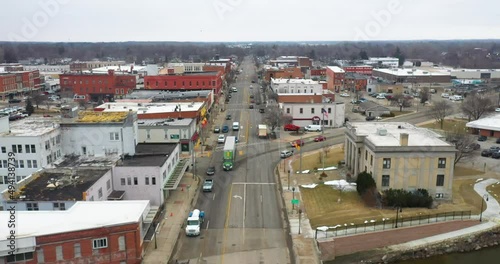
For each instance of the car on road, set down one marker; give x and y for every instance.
(208, 185)
(319, 138)
(497, 110)
(225, 129)
(211, 170)
(261, 110)
(298, 142)
(290, 127)
(229, 96)
(344, 95)
(253, 82)
(221, 139)
(234, 90)
(14, 101)
(356, 102)
(228, 117)
(380, 97)
(250, 106)
(251, 96)
(252, 101)
(498, 141)
(370, 118)
(286, 153)
(217, 129)
(482, 138)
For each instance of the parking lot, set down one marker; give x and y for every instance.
(485, 163)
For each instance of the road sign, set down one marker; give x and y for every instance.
(295, 201)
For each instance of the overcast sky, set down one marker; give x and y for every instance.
(247, 20)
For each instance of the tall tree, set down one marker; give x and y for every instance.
(398, 54)
(440, 110)
(10, 55)
(363, 55)
(464, 143)
(29, 107)
(476, 105)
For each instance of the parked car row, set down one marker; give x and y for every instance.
(493, 152)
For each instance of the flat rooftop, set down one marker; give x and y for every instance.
(335, 69)
(101, 117)
(32, 126)
(165, 122)
(150, 108)
(417, 136)
(81, 216)
(411, 72)
(149, 154)
(294, 81)
(491, 122)
(167, 95)
(61, 184)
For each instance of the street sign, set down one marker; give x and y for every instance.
(295, 201)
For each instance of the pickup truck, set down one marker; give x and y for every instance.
(208, 185)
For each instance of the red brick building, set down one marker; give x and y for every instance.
(19, 82)
(88, 232)
(364, 69)
(186, 81)
(335, 77)
(318, 73)
(97, 87)
(284, 73)
(356, 81)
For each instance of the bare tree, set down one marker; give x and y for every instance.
(401, 100)
(464, 143)
(424, 95)
(440, 110)
(39, 98)
(326, 150)
(475, 105)
(274, 117)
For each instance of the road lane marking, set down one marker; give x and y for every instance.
(213, 198)
(226, 223)
(208, 223)
(261, 198)
(258, 183)
(244, 203)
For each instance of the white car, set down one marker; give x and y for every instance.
(380, 96)
(344, 95)
(445, 95)
(497, 110)
(221, 139)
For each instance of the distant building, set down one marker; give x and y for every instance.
(412, 75)
(360, 69)
(296, 86)
(382, 86)
(186, 81)
(355, 82)
(80, 66)
(388, 62)
(370, 108)
(195, 110)
(48, 69)
(291, 61)
(283, 73)
(19, 82)
(159, 96)
(89, 232)
(335, 78)
(319, 74)
(487, 126)
(401, 156)
(492, 75)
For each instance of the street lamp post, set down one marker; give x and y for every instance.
(300, 214)
(293, 198)
(398, 210)
(288, 179)
(485, 197)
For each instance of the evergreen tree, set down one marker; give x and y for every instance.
(29, 107)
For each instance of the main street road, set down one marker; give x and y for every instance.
(244, 221)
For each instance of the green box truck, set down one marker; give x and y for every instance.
(229, 153)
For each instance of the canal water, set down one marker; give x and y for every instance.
(484, 256)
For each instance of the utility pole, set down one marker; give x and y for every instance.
(300, 166)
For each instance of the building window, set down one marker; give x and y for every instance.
(35, 165)
(114, 136)
(47, 145)
(153, 180)
(288, 110)
(84, 150)
(135, 181)
(386, 180)
(32, 206)
(312, 110)
(371, 160)
(59, 206)
(148, 135)
(4, 150)
(301, 110)
(77, 250)
(146, 180)
(5, 163)
(20, 257)
(21, 164)
(121, 243)
(122, 181)
(129, 181)
(366, 154)
(17, 148)
(59, 253)
(99, 193)
(440, 180)
(100, 243)
(386, 164)
(40, 255)
(329, 110)
(442, 163)
(108, 184)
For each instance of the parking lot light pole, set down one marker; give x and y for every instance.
(485, 197)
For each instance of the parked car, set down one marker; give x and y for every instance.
(228, 117)
(211, 170)
(497, 110)
(496, 154)
(445, 95)
(286, 153)
(221, 139)
(253, 81)
(15, 117)
(498, 141)
(251, 106)
(225, 129)
(261, 110)
(14, 101)
(290, 127)
(217, 129)
(251, 96)
(482, 138)
(487, 152)
(299, 142)
(319, 138)
(370, 118)
(473, 146)
(344, 95)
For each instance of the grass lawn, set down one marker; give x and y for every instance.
(494, 190)
(461, 171)
(323, 208)
(397, 113)
(312, 161)
(448, 125)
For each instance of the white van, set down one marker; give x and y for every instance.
(194, 221)
(316, 128)
(236, 126)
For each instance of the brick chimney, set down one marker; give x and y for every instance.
(403, 139)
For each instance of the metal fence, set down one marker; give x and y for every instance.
(387, 224)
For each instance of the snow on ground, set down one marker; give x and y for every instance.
(480, 179)
(303, 172)
(327, 168)
(309, 186)
(342, 184)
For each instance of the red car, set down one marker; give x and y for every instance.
(319, 138)
(299, 142)
(291, 127)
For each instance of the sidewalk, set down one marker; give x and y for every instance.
(177, 205)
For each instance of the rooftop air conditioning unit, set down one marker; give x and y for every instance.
(382, 132)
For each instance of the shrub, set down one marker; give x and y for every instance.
(391, 114)
(364, 182)
(403, 198)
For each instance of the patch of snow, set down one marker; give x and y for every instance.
(327, 168)
(342, 184)
(480, 179)
(303, 172)
(309, 186)
(322, 228)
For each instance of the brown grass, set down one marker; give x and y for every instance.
(494, 190)
(323, 208)
(461, 172)
(397, 113)
(448, 125)
(311, 161)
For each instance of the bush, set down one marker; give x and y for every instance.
(365, 182)
(391, 114)
(403, 198)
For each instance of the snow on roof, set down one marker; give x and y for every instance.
(81, 216)
(335, 69)
(32, 126)
(150, 108)
(411, 72)
(417, 136)
(294, 81)
(489, 123)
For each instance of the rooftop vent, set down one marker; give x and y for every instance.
(382, 132)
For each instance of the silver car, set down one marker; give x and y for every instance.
(286, 153)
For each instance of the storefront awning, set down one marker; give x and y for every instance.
(195, 136)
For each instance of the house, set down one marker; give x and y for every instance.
(370, 108)
(400, 155)
(89, 232)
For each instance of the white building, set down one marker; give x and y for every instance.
(390, 62)
(484, 74)
(296, 86)
(47, 69)
(121, 69)
(182, 67)
(100, 133)
(145, 175)
(35, 143)
(170, 130)
(304, 114)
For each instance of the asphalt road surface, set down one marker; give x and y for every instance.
(244, 221)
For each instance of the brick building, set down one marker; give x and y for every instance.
(186, 81)
(89, 232)
(355, 81)
(18, 82)
(362, 69)
(335, 77)
(283, 73)
(195, 110)
(97, 87)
